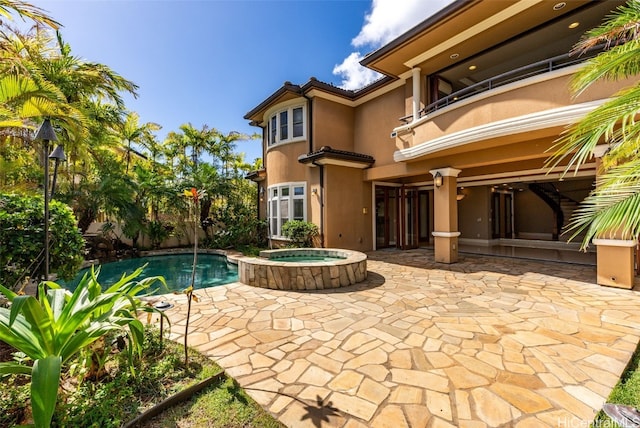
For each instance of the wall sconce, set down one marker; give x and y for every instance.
(314, 191)
(261, 194)
(460, 194)
(437, 179)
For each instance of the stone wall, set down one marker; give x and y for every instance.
(350, 269)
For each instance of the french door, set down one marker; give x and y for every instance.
(402, 217)
(502, 212)
(386, 217)
(409, 213)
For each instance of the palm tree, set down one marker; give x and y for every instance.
(26, 10)
(133, 132)
(613, 208)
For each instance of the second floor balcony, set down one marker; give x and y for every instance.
(520, 85)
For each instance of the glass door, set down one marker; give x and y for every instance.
(502, 215)
(409, 227)
(386, 217)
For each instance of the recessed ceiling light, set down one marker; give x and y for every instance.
(574, 25)
(454, 56)
(559, 6)
(472, 67)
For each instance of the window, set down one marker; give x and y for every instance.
(286, 125)
(272, 130)
(298, 122)
(287, 201)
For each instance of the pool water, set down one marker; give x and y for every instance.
(212, 270)
(300, 259)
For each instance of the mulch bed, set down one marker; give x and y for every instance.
(5, 352)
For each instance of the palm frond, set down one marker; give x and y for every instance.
(620, 62)
(613, 122)
(612, 209)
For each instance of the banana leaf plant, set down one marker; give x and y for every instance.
(59, 324)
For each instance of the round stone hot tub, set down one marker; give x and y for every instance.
(303, 269)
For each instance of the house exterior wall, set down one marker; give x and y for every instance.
(374, 121)
(349, 212)
(332, 125)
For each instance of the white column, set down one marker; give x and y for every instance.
(416, 93)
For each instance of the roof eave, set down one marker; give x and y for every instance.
(328, 156)
(451, 9)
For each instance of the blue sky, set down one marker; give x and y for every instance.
(211, 61)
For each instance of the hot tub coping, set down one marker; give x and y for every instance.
(341, 256)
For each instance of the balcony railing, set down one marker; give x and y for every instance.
(521, 73)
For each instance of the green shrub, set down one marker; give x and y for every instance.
(22, 238)
(301, 233)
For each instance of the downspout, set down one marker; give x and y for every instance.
(321, 203)
(310, 141)
(309, 119)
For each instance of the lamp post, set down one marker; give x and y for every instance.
(46, 134)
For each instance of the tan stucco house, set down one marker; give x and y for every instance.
(449, 146)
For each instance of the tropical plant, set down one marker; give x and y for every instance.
(157, 232)
(24, 9)
(613, 207)
(301, 233)
(57, 325)
(134, 132)
(22, 237)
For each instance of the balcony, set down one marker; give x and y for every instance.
(521, 73)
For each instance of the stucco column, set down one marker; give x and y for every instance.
(445, 215)
(416, 93)
(615, 256)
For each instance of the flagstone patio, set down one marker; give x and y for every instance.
(485, 342)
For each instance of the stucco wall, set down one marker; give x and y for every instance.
(282, 163)
(374, 121)
(332, 125)
(346, 195)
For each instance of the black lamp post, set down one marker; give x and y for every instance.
(46, 134)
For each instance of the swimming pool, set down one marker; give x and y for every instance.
(212, 270)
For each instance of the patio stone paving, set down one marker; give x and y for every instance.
(486, 342)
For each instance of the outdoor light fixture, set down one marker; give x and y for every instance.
(460, 194)
(261, 193)
(162, 306)
(314, 191)
(58, 156)
(437, 179)
(46, 133)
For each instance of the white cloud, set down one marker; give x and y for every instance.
(386, 21)
(354, 76)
